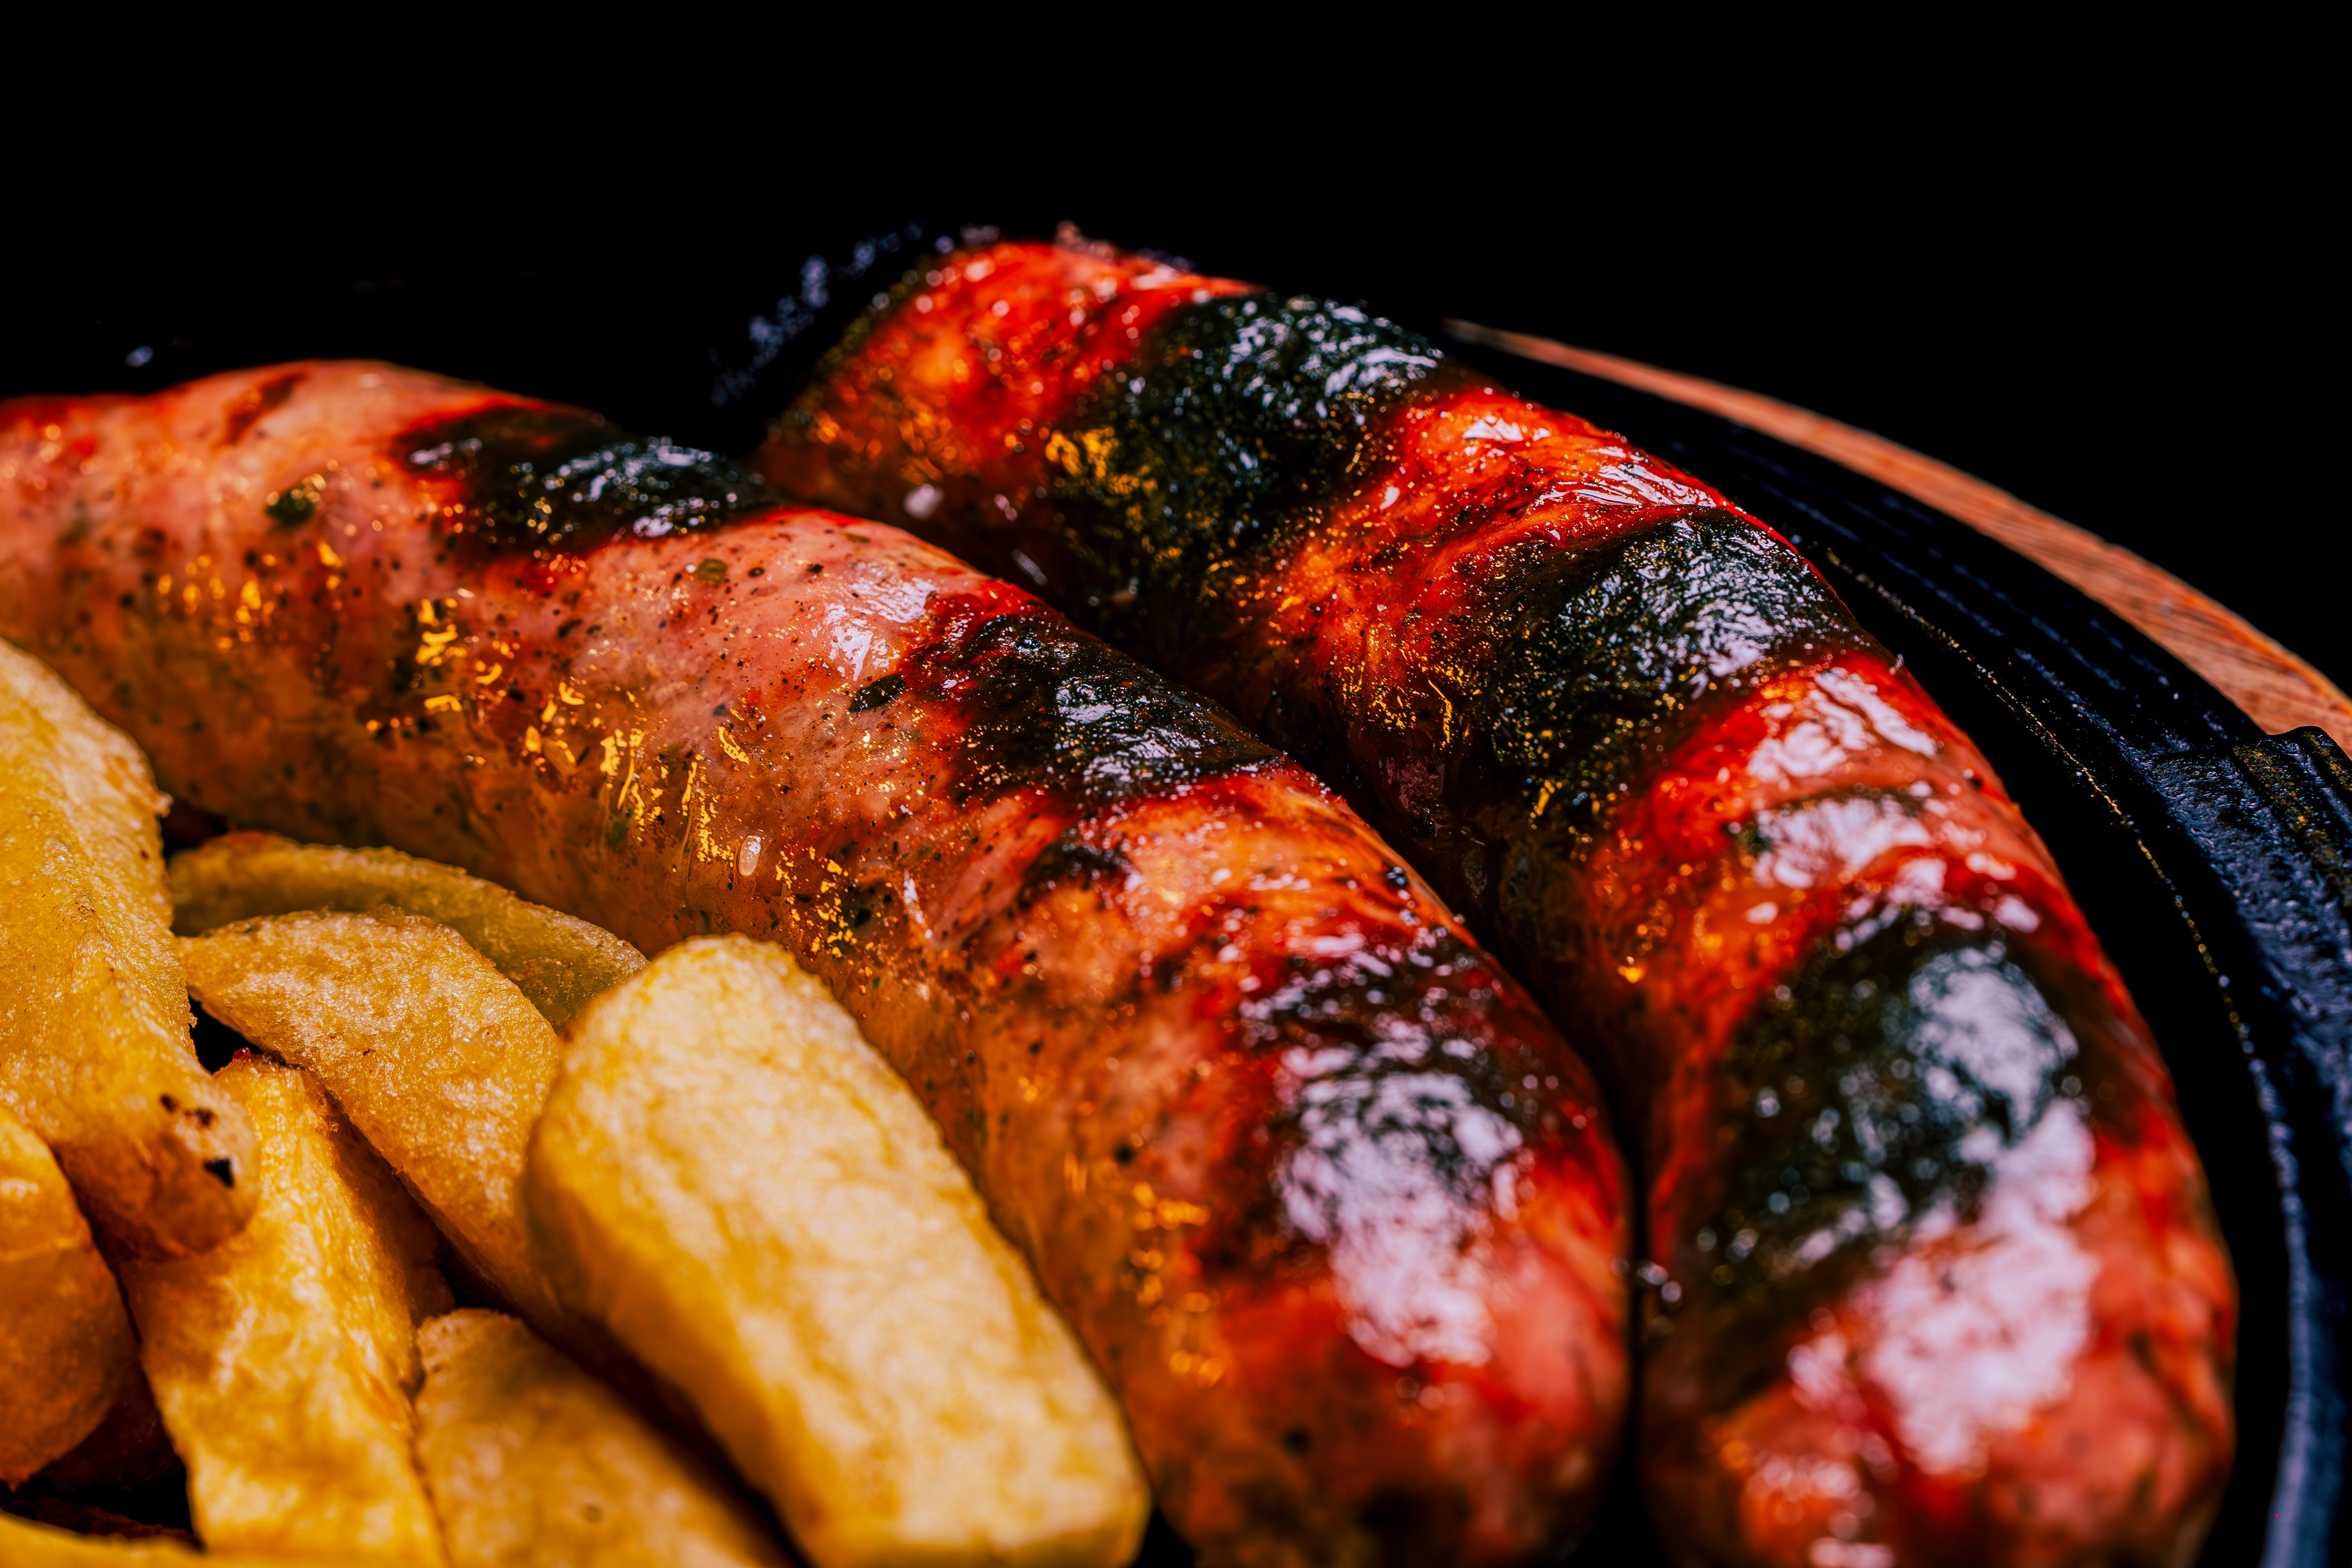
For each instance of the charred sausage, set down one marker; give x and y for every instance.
(1937, 1280)
(1326, 1196)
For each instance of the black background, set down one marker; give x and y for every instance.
(2100, 282)
(2097, 271)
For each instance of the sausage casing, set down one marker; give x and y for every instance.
(1937, 1277)
(1324, 1192)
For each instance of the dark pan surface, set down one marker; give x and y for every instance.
(2215, 862)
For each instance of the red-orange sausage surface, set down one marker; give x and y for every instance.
(1326, 1195)
(1937, 1280)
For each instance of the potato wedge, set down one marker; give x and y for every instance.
(438, 1059)
(529, 1459)
(734, 1183)
(283, 1360)
(94, 1049)
(26, 1544)
(558, 962)
(66, 1350)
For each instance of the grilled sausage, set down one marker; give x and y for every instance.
(1937, 1280)
(1326, 1196)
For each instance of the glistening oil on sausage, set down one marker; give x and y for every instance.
(1325, 1195)
(1935, 1278)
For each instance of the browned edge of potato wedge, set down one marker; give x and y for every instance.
(729, 1177)
(530, 1459)
(95, 1054)
(67, 1354)
(558, 960)
(283, 1360)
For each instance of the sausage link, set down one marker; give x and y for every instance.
(1326, 1196)
(1936, 1277)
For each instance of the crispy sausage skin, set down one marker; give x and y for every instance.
(1937, 1277)
(1328, 1197)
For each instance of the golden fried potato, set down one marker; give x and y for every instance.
(94, 1049)
(731, 1180)
(26, 1544)
(283, 1360)
(439, 1060)
(66, 1350)
(530, 1459)
(558, 962)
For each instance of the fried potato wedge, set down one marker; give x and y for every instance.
(26, 1544)
(529, 1459)
(438, 1059)
(94, 1050)
(283, 1360)
(558, 962)
(66, 1350)
(737, 1185)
